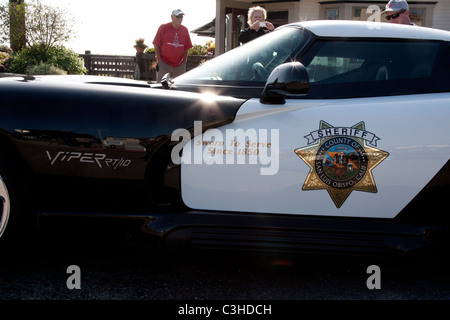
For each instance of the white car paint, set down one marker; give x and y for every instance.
(242, 187)
(363, 29)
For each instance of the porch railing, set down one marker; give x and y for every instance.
(109, 65)
(125, 66)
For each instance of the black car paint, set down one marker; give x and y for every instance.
(58, 130)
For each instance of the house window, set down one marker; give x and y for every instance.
(332, 14)
(360, 14)
(278, 18)
(417, 16)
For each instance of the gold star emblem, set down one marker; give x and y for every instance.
(341, 159)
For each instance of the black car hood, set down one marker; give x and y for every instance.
(125, 107)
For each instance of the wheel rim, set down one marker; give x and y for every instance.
(5, 206)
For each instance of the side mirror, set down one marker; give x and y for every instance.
(167, 81)
(287, 80)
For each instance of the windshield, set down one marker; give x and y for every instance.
(252, 62)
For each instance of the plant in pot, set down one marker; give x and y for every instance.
(140, 46)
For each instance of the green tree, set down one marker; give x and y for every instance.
(47, 25)
(17, 24)
(44, 25)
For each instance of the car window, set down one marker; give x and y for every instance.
(325, 67)
(341, 68)
(252, 62)
(344, 61)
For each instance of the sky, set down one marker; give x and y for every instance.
(112, 26)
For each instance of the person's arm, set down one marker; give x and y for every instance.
(188, 46)
(157, 52)
(269, 26)
(157, 41)
(185, 56)
(244, 36)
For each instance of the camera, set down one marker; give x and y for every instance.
(262, 24)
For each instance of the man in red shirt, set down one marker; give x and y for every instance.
(172, 43)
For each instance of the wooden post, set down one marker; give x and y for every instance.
(88, 61)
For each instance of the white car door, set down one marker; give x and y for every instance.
(365, 157)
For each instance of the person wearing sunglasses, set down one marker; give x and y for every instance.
(172, 43)
(397, 11)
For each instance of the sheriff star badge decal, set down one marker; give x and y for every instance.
(341, 159)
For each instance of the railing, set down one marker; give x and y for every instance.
(126, 66)
(106, 65)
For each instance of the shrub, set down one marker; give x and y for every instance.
(5, 53)
(58, 56)
(203, 50)
(197, 49)
(149, 51)
(44, 68)
(3, 61)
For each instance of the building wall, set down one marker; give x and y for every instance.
(441, 17)
(438, 11)
(309, 10)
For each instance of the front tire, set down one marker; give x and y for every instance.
(5, 209)
(16, 214)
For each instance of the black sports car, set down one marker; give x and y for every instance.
(320, 136)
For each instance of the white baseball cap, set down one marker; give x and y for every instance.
(396, 5)
(177, 12)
